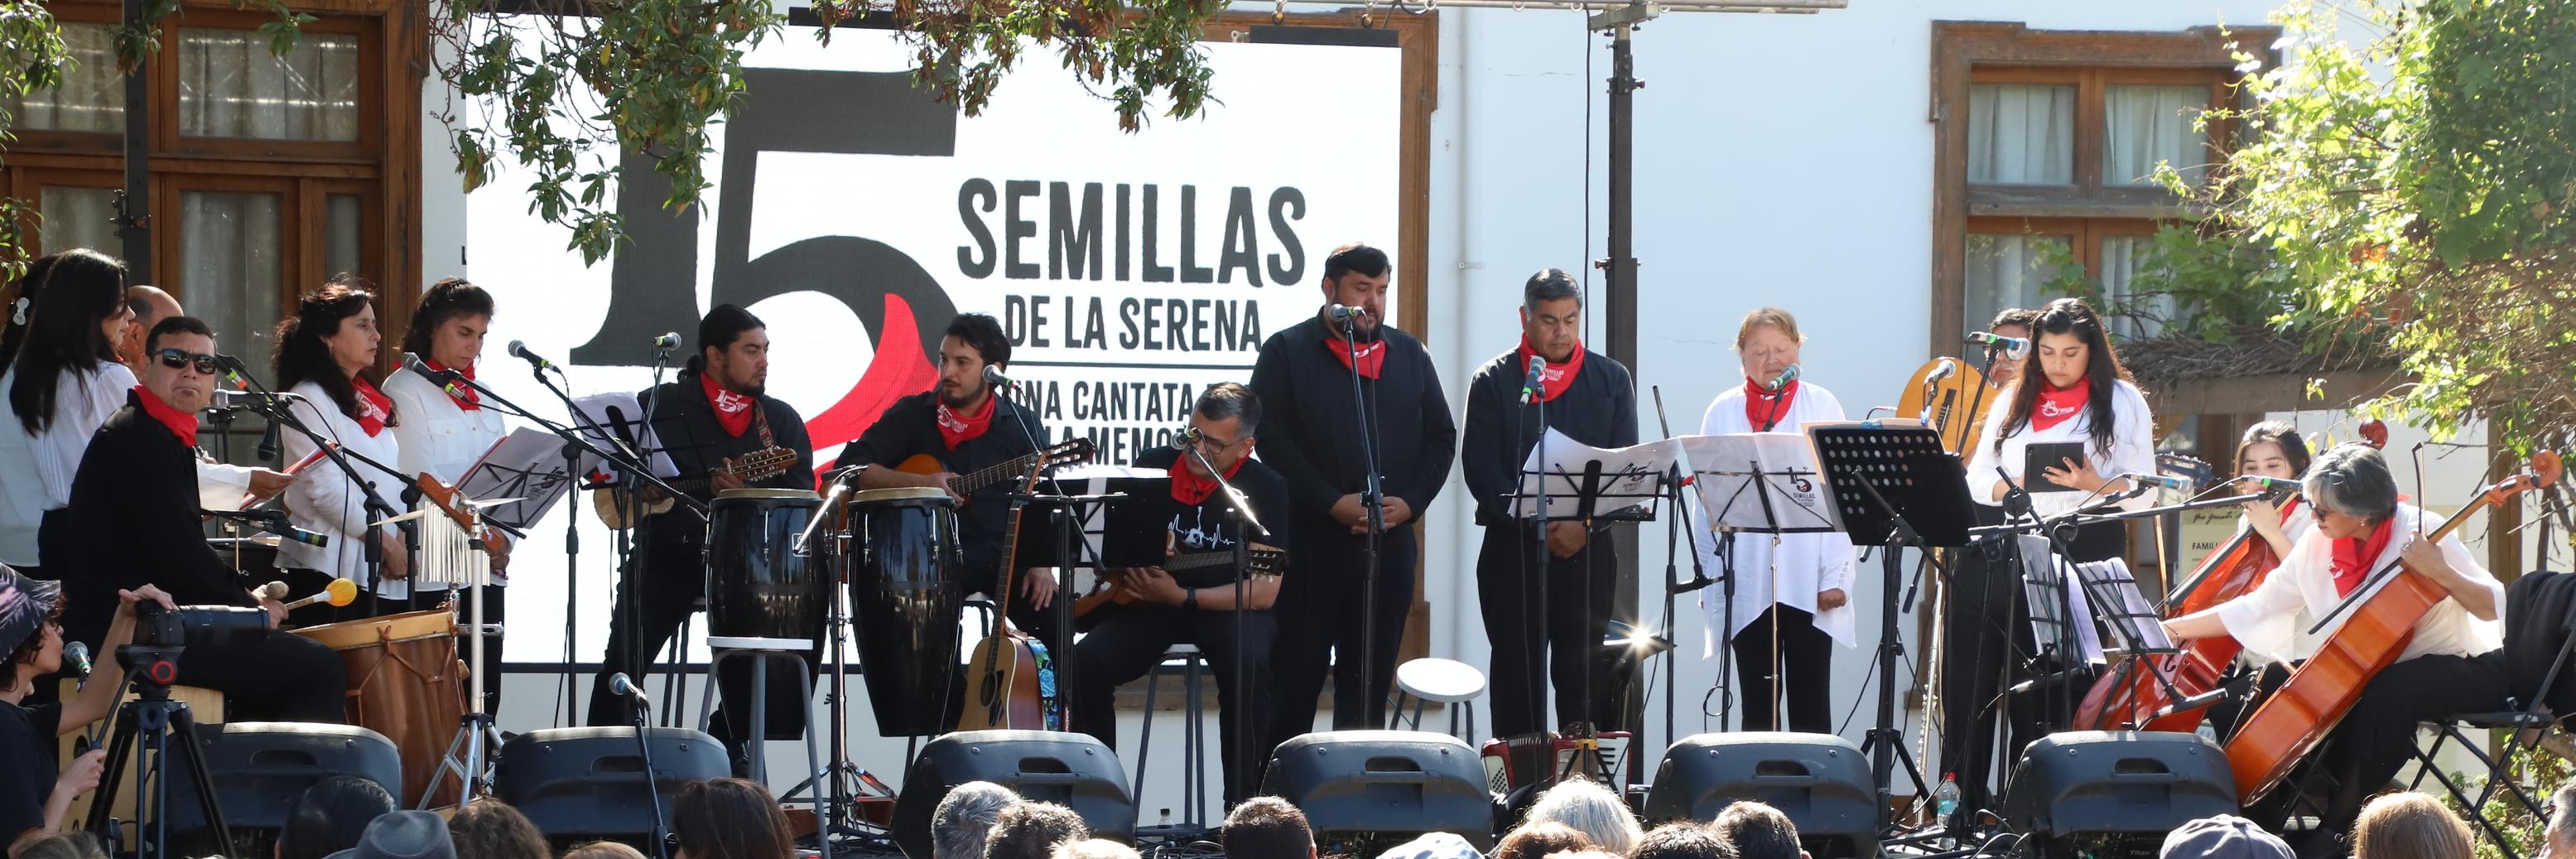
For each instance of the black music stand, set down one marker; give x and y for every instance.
(1893, 486)
(1598, 486)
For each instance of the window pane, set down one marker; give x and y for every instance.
(2021, 134)
(341, 222)
(2136, 315)
(78, 217)
(2007, 271)
(2149, 124)
(92, 97)
(231, 86)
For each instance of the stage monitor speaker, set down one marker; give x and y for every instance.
(1380, 788)
(580, 784)
(1821, 781)
(2095, 787)
(259, 768)
(1072, 770)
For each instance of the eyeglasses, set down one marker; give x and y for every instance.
(177, 358)
(1210, 446)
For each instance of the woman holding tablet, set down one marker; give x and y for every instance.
(2091, 425)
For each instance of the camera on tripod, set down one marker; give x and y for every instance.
(162, 634)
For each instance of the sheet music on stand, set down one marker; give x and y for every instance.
(620, 412)
(2136, 626)
(1761, 482)
(2051, 595)
(527, 464)
(1631, 479)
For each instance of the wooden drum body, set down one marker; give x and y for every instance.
(406, 683)
(902, 565)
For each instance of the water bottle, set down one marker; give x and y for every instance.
(1945, 799)
(1166, 822)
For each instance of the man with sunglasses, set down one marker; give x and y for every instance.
(1155, 608)
(135, 521)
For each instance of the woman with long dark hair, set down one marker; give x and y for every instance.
(2071, 388)
(64, 382)
(2273, 449)
(446, 429)
(326, 354)
(729, 818)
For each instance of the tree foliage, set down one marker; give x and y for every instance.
(2417, 186)
(32, 57)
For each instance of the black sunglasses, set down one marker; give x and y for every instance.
(177, 358)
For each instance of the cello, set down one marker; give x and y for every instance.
(2375, 630)
(2133, 697)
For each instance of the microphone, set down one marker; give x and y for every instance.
(1782, 380)
(253, 400)
(668, 340)
(1344, 313)
(1941, 371)
(2165, 481)
(76, 660)
(1185, 438)
(2013, 347)
(519, 350)
(339, 593)
(236, 372)
(289, 532)
(442, 378)
(993, 376)
(619, 684)
(1531, 386)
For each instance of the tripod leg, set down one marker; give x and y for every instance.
(120, 748)
(183, 725)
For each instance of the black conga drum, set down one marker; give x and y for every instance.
(759, 586)
(904, 603)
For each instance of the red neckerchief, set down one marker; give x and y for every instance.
(1552, 381)
(1189, 488)
(957, 429)
(1763, 406)
(1372, 358)
(2352, 558)
(181, 424)
(2057, 404)
(733, 411)
(374, 408)
(462, 393)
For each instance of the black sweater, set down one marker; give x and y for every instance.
(1307, 429)
(685, 424)
(1207, 527)
(134, 521)
(910, 427)
(1600, 409)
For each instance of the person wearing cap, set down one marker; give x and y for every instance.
(2225, 836)
(403, 835)
(33, 639)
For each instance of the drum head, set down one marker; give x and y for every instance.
(792, 494)
(898, 494)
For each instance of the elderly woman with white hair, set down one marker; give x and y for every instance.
(965, 818)
(1589, 808)
(2448, 666)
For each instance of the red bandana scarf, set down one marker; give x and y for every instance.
(181, 424)
(1553, 381)
(1372, 358)
(2288, 507)
(462, 393)
(1766, 407)
(733, 411)
(2352, 558)
(2056, 404)
(1189, 488)
(374, 408)
(957, 429)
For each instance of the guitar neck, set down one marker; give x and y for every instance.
(975, 481)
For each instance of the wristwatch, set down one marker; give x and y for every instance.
(1190, 599)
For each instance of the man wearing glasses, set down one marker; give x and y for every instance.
(1155, 608)
(135, 521)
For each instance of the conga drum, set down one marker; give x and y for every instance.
(902, 564)
(406, 683)
(760, 586)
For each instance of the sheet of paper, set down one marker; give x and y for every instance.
(1631, 477)
(622, 413)
(1762, 482)
(527, 464)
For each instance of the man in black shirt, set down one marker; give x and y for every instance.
(966, 425)
(1563, 607)
(715, 413)
(1304, 376)
(1163, 607)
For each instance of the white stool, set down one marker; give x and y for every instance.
(1193, 737)
(756, 740)
(1453, 683)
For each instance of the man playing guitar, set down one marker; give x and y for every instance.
(711, 416)
(1162, 607)
(966, 426)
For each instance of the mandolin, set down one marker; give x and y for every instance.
(613, 503)
(1072, 451)
(1259, 560)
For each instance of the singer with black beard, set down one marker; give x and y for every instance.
(1552, 614)
(966, 425)
(713, 413)
(1305, 375)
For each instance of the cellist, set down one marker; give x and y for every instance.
(2271, 449)
(2361, 527)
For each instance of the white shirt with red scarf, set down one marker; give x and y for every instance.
(2267, 620)
(324, 500)
(2133, 448)
(1807, 563)
(438, 436)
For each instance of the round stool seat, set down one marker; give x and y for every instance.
(1448, 681)
(1180, 649)
(775, 645)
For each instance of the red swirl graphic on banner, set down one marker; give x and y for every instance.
(897, 371)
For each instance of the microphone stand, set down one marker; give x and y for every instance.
(1371, 500)
(1238, 509)
(1675, 480)
(375, 508)
(644, 749)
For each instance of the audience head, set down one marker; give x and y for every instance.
(1758, 831)
(1583, 854)
(1592, 810)
(1435, 845)
(1538, 839)
(1094, 848)
(1682, 841)
(1267, 827)
(2223, 837)
(730, 818)
(1031, 830)
(964, 818)
(75, 844)
(604, 850)
(403, 835)
(31, 631)
(330, 816)
(2560, 841)
(491, 829)
(2409, 825)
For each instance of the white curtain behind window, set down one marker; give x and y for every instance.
(2006, 271)
(2021, 134)
(78, 217)
(231, 86)
(231, 275)
(2149, 124)
(2121, 256)
(92, 97)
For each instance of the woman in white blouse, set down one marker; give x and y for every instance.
(444, 431)
(326, 354)
(2271, 449)
(2071, 389)
(1792, 602)
(62, 384)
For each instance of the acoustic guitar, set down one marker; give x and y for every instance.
(1072, 451)
(1258, 560)
(613, 503)
(1011, 672)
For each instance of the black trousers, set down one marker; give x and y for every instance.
(2376, 739)
(1131, 641)
(649, 611)
(1986, 648)
(1806, 657)
(281, 677)
(1553, 617)
(1320, 627)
